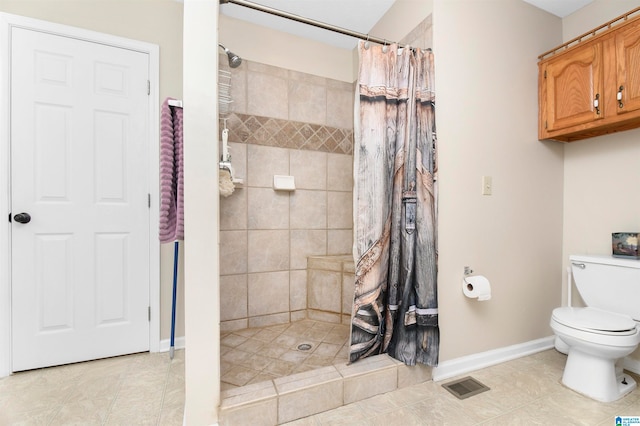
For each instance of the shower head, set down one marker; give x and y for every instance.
(234, 60)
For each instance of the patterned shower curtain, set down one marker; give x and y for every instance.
(395, 307)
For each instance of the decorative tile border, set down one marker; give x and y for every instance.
(253, 129)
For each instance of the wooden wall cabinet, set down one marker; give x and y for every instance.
(592, 87)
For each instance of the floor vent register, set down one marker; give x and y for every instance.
(465, 387)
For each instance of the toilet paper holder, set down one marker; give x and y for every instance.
(468, 271)
(469, 289)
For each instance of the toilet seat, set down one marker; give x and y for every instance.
(611, 339)
(595, 321)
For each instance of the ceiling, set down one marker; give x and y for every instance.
(355, 15)
(560, 8)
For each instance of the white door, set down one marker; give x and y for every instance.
(79, 169)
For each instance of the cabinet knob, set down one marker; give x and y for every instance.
(619, 97)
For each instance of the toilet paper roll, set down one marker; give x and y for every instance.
(476, 287)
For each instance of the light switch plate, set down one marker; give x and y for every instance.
(487, 185)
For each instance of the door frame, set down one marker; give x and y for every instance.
(8, 21)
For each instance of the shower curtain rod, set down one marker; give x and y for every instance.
(308, 21)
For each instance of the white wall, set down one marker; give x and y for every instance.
(486, 117)
(271, 47)
(593, 15)
(162, 26)
(401, 18)
(158, 22)
(601, 174)
(201, 210)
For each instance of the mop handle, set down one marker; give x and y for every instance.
(173, 303)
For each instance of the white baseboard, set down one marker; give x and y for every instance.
(465, 364)
(165, 345)
(631, 364)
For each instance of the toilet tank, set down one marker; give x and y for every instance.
(608, 283)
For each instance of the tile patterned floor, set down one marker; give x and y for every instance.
(526, 391)
(148, 389)
(257, 354)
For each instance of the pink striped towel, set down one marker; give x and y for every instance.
(171, 174)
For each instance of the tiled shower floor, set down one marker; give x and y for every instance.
(254, 355)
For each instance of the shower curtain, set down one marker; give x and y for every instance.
(395, 307)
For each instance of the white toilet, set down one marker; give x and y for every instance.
(599, 336)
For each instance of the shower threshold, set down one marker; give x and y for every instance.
(298, 384)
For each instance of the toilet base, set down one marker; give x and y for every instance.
(603, 382)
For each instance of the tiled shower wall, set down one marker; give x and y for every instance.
(283, 123)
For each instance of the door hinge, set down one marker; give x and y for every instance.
(149, 200)
(149, 311)
(148, 87)
(545, 73)
(545, 124)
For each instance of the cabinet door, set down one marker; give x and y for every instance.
(573, 82)
(628, 70)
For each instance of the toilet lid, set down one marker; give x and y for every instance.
(594, 319)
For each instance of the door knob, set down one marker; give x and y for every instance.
(22, 218)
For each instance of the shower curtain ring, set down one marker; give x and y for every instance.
(384, 46)
(366, 43)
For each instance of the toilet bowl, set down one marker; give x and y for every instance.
(597, 340)
(597, 337)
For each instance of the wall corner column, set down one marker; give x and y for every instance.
(201, 212)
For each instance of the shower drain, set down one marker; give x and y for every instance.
(304, 347)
